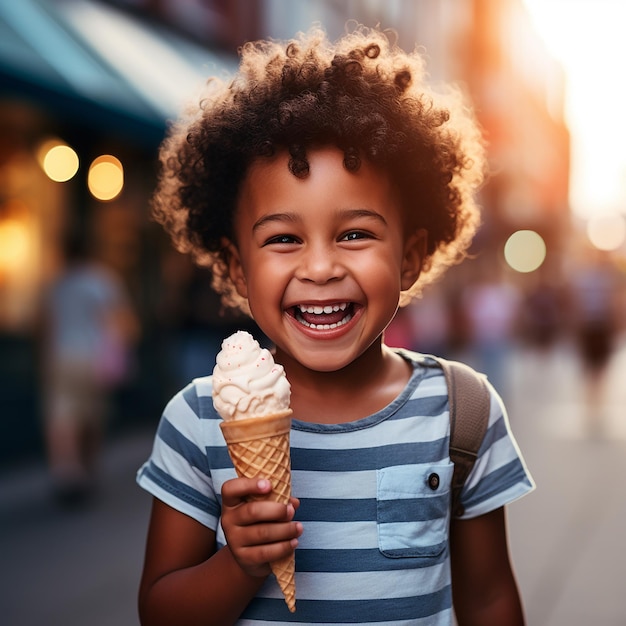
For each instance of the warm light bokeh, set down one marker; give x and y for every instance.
(106, 177)
(587, 37)
(59, 161)
(15, 245)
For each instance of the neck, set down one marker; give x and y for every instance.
(363, 387)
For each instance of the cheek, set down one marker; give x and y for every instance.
(265, 286)
(382, 270)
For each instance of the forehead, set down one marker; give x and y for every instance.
(269, 179)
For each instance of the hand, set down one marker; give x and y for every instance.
(258, 532)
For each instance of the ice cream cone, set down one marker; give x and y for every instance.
(259, 447)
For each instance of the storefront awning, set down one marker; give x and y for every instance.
(114, 71)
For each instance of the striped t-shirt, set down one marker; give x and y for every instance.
(375, 543)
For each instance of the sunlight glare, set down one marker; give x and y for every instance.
(607, 232)
(587, 37)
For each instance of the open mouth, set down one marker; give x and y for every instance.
(324, 317)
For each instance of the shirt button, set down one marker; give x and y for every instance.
(433, 481)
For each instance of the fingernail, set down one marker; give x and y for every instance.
(264, 484)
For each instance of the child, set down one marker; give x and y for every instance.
(319, 185)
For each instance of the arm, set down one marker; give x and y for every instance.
(186, 581)
(483, 585)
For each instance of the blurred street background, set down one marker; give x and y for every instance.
(87, 89)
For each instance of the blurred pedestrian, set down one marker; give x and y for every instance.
(492, 307)
(594, 290)
(543, 317)
(424, 325)
(88, 330)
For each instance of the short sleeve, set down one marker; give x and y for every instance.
(499, 475)
(177, 471)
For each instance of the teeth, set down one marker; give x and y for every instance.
(318, 310)
(345, 320)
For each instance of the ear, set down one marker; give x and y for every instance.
(235, 268)
(413, 258)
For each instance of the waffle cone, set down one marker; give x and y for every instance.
(259, 448)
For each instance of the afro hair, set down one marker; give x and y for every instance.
(363, 95)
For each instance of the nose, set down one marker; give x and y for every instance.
(320, 264)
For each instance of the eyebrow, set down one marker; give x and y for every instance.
(293, 218)
(275, 217)
(367, 213)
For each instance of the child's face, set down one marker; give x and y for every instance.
(322, 259)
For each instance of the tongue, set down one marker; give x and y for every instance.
(323, 318)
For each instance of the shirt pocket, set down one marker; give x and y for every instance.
(413, 509)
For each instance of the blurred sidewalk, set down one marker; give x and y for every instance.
(74, 567)
(567, 537)
(78, 568)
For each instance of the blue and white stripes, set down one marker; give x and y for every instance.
(375, 501)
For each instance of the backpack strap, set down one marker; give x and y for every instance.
(469, 401)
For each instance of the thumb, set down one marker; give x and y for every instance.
(238, 490)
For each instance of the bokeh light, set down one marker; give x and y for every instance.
(106, 177)
(525, 251)
(58, 160)
(607, 232)
(14, 244)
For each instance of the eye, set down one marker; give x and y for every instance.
(281, 239)
(355, 235)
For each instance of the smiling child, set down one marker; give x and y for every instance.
(324, 186)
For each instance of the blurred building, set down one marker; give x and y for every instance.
(104, 78)
(100, 83)
(520, 93)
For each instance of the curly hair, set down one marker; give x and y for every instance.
(362, 95)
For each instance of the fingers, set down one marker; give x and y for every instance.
(255, 560)
(267, 541)
(239, 489)
(257, 531)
